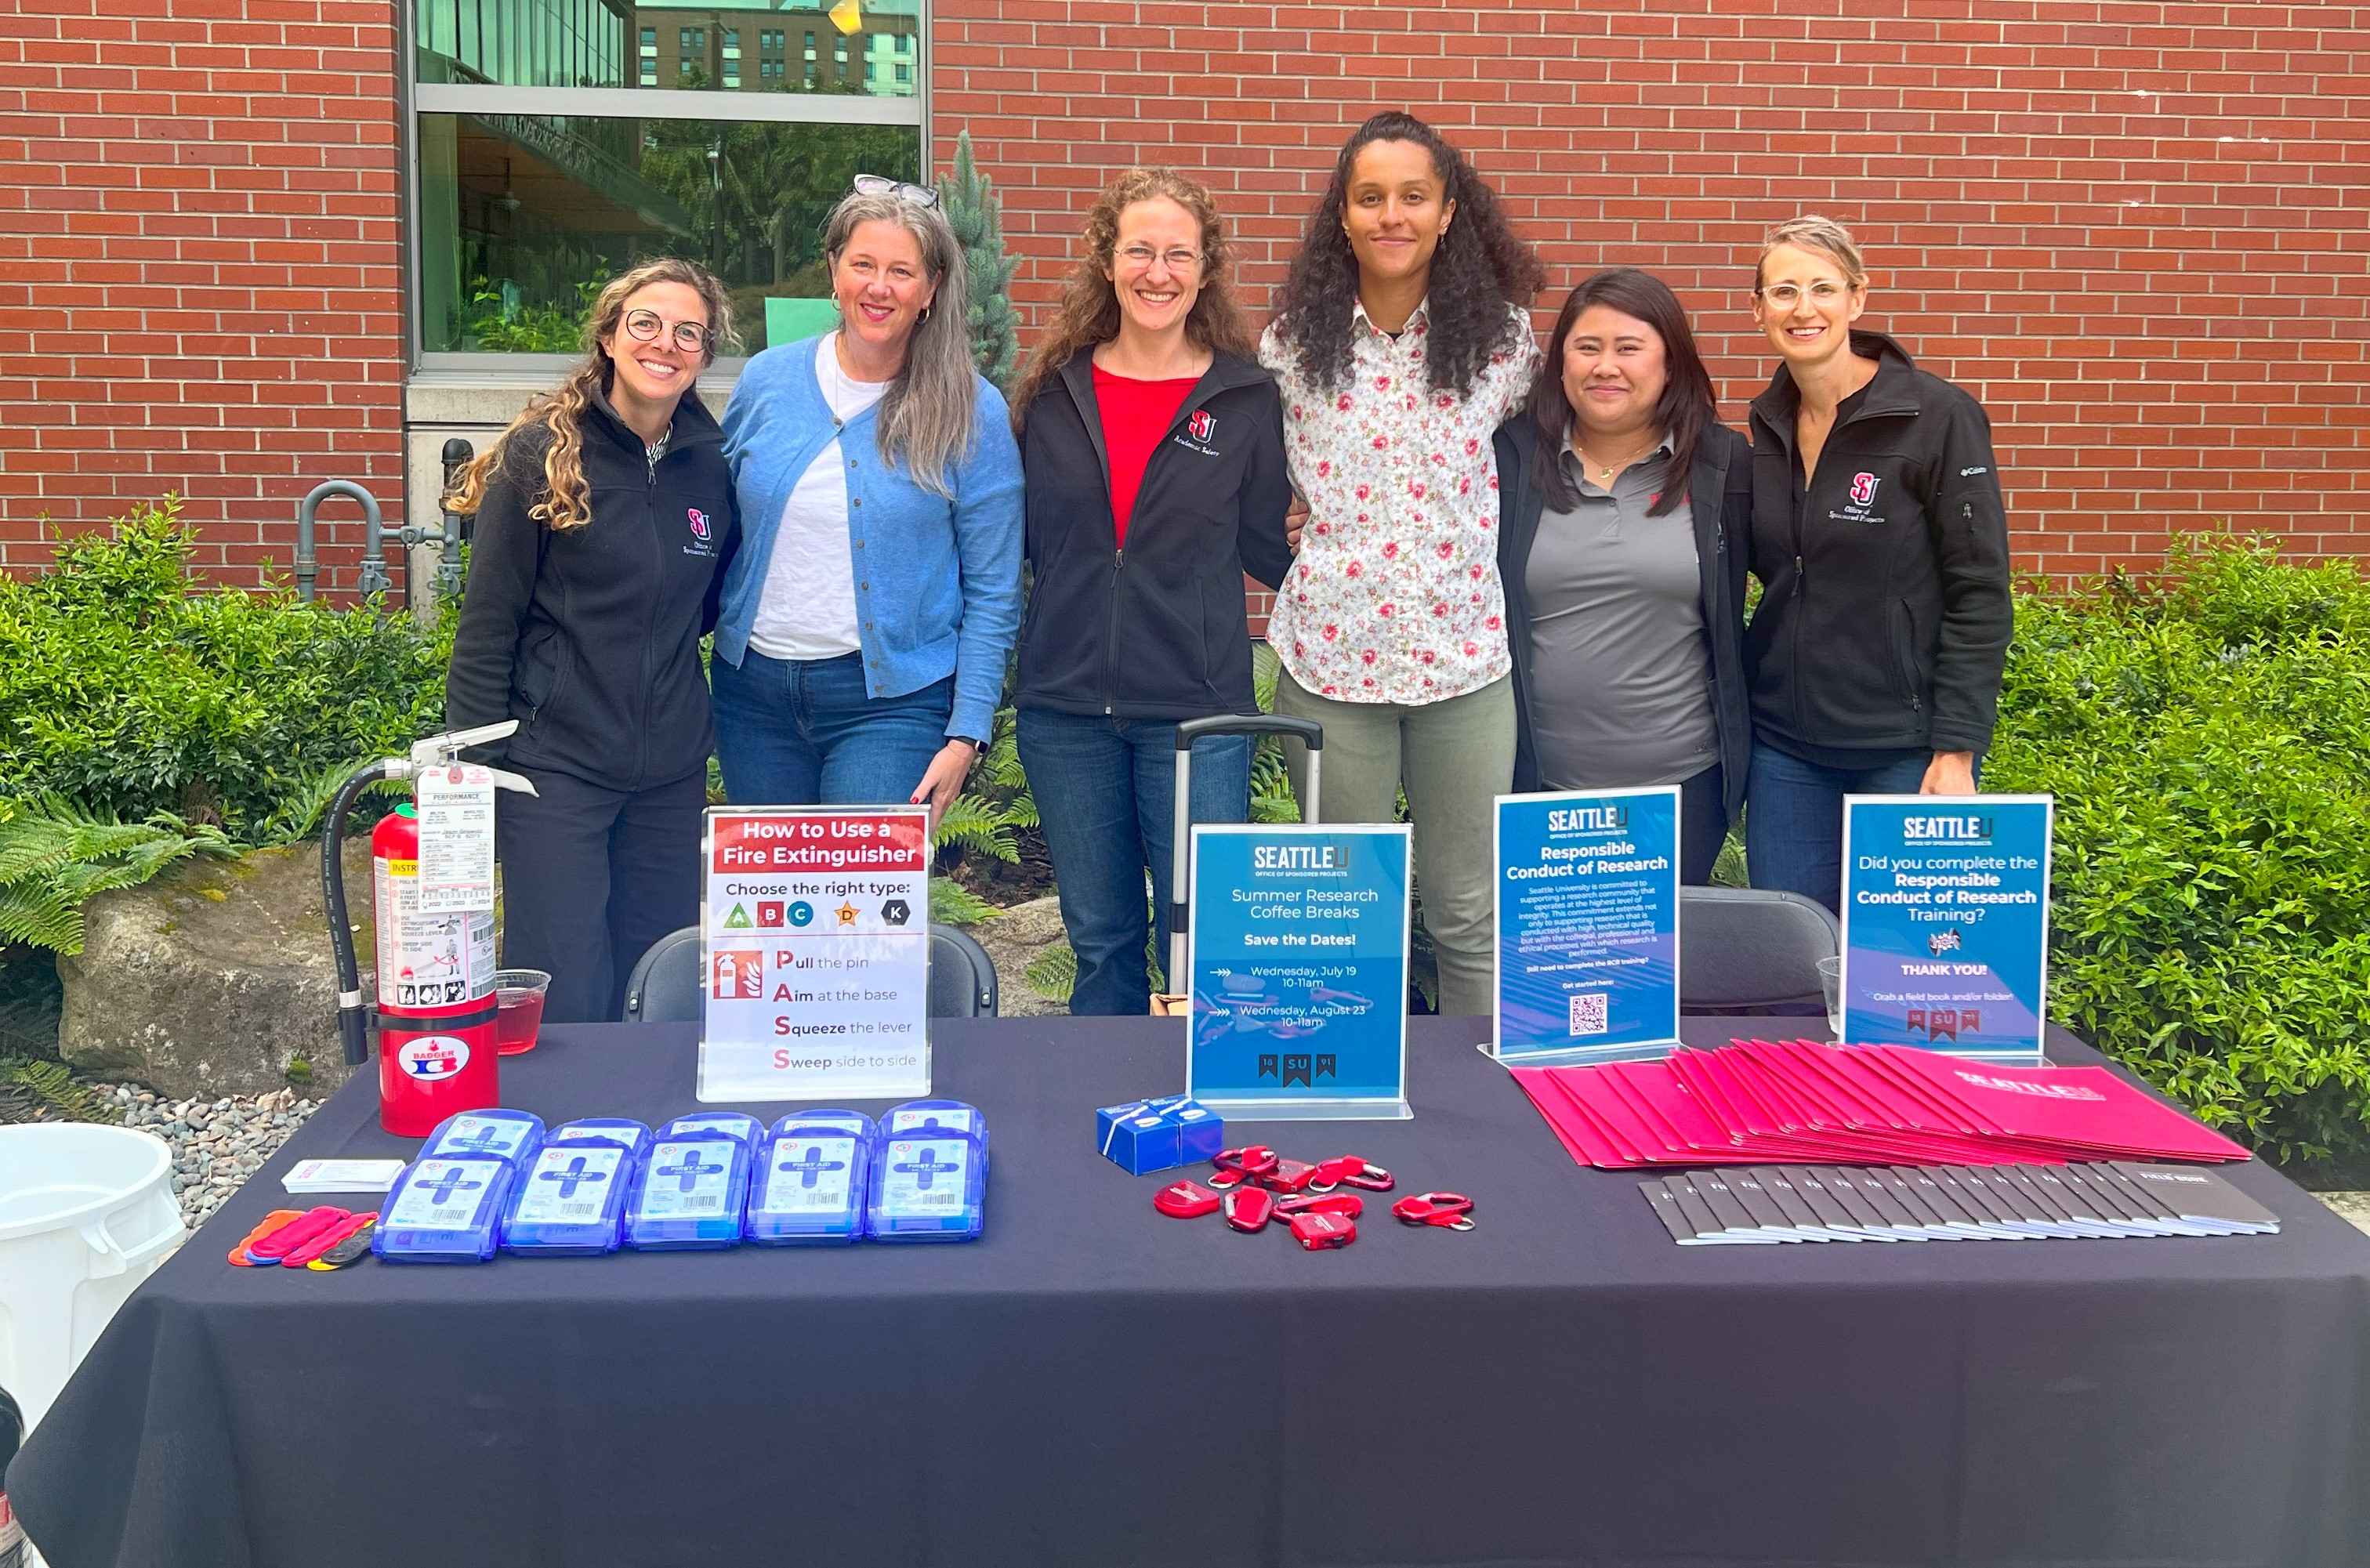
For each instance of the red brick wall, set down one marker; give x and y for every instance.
(200, 287)
(2139, 231)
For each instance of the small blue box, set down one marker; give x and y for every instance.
(1144, 1136)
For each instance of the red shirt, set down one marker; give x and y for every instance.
(1135, 415)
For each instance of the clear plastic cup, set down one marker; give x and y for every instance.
(518, 997)
(1831, 985)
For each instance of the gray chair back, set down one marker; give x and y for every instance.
(666, 984)
(1753, 949)
(962, 976)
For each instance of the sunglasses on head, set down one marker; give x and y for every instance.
(881, 185)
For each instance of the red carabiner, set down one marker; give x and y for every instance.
(1372, 1177)
(1289, 1177)
(1250, 1208)
(1450, 1211)
(1236, 1166)
(1348, 1205)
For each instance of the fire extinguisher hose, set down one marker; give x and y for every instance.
(354, 1018)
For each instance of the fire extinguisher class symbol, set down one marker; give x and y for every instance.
(432, 1059)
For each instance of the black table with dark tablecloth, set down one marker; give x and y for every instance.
(1094, 1383)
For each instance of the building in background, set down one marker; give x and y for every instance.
(253, 248)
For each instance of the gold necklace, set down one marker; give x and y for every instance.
(1604, 470)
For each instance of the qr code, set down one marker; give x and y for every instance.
(1588, 1014)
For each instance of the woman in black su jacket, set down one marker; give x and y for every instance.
(1881, 541)
(1624, 602)
(605, 517)
(1153, 451)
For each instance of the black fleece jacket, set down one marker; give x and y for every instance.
(590, 638)
(1884, 617)
(1719, 503)
(1157, 630)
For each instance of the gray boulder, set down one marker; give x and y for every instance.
(216, 979)
(1014, 939)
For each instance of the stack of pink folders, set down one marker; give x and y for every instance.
(1764, 1103)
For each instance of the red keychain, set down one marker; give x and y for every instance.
(1450, 1211)
(1289, 1177)
(1236, 1166)
(1250, 1208)
(272, 1221)
(1186, 1200)
(294, 1234)
(1371, 1176)
(1320, 1233)
(1349, 1206)
(305, 1251)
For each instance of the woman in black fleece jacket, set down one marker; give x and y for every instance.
(604, 518)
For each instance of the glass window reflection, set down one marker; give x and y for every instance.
(523, 217)
(670, 43)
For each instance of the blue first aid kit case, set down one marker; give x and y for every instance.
(624, 1133)
(811, 1181)
(513, 1135)
(689, 1194)
(929, 1187)
(936, 1118)
(732, 1124)
(445, 1210)
(571, 1201)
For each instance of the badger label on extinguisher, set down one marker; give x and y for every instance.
(424, 961)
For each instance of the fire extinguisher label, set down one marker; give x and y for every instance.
(433, 1059)
(456, 840)
(428, 960)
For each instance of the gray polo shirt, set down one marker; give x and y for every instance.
(1620, 677)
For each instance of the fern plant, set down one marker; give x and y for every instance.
(55, 857)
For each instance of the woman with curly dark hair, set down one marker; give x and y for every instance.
(1402, 340)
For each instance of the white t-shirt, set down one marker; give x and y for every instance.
(807, 609)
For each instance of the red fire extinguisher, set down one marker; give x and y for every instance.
(436, 1003)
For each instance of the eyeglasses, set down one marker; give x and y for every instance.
(881, 185)
(1143, 256)
(644, 327)
(1785, 296)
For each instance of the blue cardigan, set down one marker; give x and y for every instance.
(938, 582)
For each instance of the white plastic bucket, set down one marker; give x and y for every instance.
(85, 1214)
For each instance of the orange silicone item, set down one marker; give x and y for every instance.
(272, 1221)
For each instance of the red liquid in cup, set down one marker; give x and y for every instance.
(518, 1018)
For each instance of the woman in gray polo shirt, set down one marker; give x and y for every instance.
(1626, 510)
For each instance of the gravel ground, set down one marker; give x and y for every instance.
(216, 1144)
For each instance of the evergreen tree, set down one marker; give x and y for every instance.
(972, 208)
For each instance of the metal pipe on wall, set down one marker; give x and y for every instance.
(373, 577)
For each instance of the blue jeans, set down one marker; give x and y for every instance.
(1794, 818)
(802, 732)
(1106, 792)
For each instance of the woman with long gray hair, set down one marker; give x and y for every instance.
(866, 621)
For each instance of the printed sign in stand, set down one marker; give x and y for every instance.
(815, 935)
(1588, 926)
(1946, 923)
(1298, 972)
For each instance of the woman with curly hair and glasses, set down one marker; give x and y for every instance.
(1402, 340)
(604, 519)
(1153, 449)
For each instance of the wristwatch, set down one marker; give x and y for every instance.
(977, 745)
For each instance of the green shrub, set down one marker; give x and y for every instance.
(127, 693)
(2204, 734)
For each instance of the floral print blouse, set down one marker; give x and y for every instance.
(1394, 597)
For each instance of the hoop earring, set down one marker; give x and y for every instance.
(925, 316)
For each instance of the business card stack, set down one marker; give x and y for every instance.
(1762, 1102)
(1770, 1205)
